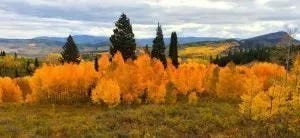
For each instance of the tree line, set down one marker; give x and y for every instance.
(123, 41)
(241, 56)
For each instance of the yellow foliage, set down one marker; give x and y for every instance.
(252, 87)
(144, 71)
(296, 83)
(118, 59)
(53, 58)
(230, 81)
(128, 81)
(156, 93)
(211, 79)
(24, 84)
(266, 104)
(107, 91)
(204, 50)
(62, 83)
(104, 62)
(267, 73)
(9, 91)
(189, 78)
(156, 90)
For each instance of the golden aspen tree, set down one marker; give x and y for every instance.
(62, 83)
(125, 73)
(106, 91)
(230, 82)
(24, 84)
(270, 103)
(251, 87)
(144, 71)
(267, 73)
(172, 75)
(296, 84)
(10, 91)
(211, 79)
(128, 81)
(118, 59)
(104, 62)
(190, 78)
(156, 91)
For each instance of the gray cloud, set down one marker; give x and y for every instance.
(222, 18)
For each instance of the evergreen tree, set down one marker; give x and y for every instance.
(123, 39)
(211, 59)
(173, 49)
(96, 65)
(70, 51)
(36, 63)
(28, 67)
(146, 50)
(15, 55)
(17, 73)
(2, 53)
(158, 47)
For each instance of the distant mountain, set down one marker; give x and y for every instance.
(79, 39)
(181, 40)
(267, 40)
(87, 39)
(41, 46)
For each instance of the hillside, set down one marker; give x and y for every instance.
(202, 51)
(267, 40)
(191, 46)
(41, 46)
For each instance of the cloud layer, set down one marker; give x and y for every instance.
(219, 18)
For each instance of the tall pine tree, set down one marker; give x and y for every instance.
(96, 64)
(36, 63)
(70, 52)
(123, 39)
(146, 50)
(158, 47)
(173, 49)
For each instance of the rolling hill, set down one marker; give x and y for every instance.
(201, 51)
(41, 46)
(200, 46)
(267, 40)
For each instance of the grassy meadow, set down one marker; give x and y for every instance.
(210, 117)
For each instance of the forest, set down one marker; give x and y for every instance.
(230, 96)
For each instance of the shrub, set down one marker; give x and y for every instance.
(9, 91)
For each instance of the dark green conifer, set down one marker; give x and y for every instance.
(70, 53)
(173, 49)
(158, 47)
(96, 64)
(123, 39)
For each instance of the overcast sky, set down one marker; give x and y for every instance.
(218, 18)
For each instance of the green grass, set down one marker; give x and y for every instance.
(208, 118)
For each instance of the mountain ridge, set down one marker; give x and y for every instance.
(43, 45)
